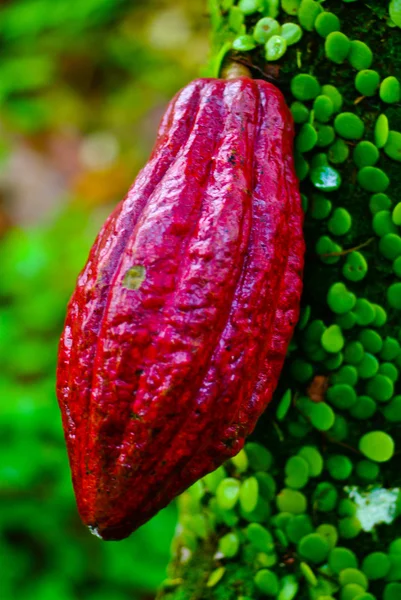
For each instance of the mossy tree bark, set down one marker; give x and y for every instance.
(201, 565)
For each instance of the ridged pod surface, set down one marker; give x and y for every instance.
(178, 327)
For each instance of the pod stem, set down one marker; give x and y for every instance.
(234, 69)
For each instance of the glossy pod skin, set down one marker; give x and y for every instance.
(178, 327)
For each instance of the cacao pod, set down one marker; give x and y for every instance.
(178, 327)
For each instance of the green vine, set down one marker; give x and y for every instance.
(309, 509)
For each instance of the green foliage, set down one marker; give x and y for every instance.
(46, 550)
(103, 70)
(73, 54)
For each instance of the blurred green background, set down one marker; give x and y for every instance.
(83, 84)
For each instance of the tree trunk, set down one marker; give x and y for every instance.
(298, 509)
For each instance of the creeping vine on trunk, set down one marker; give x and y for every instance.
(309, 509)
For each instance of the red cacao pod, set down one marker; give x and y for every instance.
(178, 327)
